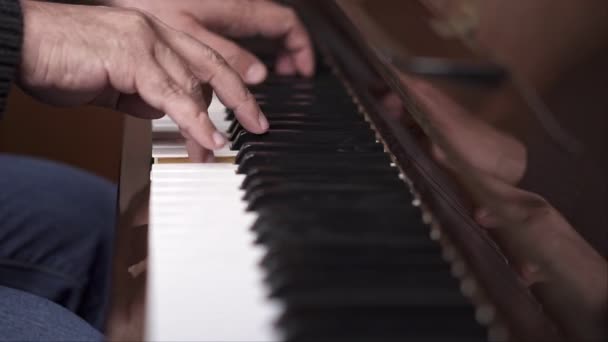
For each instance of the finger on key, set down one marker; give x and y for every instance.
(162, 92)
(197, 153)
(212, 68)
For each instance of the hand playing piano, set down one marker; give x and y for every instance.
(130, 61)
(568, 276)
(205, 20)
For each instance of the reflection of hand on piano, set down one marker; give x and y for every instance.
(238, 18)
(456, 134)
(565, 272)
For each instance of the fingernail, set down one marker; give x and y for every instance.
(256, 73)
(219, 139)
(263, 122)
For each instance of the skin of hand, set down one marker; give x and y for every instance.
(129, 61)
(205, 20)
(569, 277)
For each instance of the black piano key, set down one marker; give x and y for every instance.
(346, 252)
(293, 118)
(356, 159)
(320, 137)
(320, 109)
(321, 236)
(378, 323)
(348, 222)
(308, 126)
(316, 114)
(253, 147)
(260, 183)
(315, 289)
(319, 81)
(317, 96)
(322, 194)
(328, 106)
(283, 257)
(312, 170)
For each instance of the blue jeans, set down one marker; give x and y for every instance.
(56, 236)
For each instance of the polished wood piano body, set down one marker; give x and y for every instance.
(352, 37)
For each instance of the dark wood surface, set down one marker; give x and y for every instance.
(84, 137)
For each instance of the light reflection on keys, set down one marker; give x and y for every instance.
(175, 148)
(204, 282)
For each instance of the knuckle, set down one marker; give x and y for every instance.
(232, 53)
(160, 49)
(138, 20)
(244, 99)
(188, 23)
(194, 85)
(186, 129)
(171, 90)
(232, 58)
(217, 61)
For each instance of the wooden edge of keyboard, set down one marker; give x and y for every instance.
(125, 319)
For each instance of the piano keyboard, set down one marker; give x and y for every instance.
(310, 236)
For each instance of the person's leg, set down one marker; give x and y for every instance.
(25, 317)
(56, 233)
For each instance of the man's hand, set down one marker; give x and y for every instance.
(125, 59)
(205, 19)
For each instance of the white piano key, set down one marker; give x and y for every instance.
(197, 168)
(178, 150)
(204, 278)
(198, 171)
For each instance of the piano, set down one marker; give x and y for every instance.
(337, 225)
